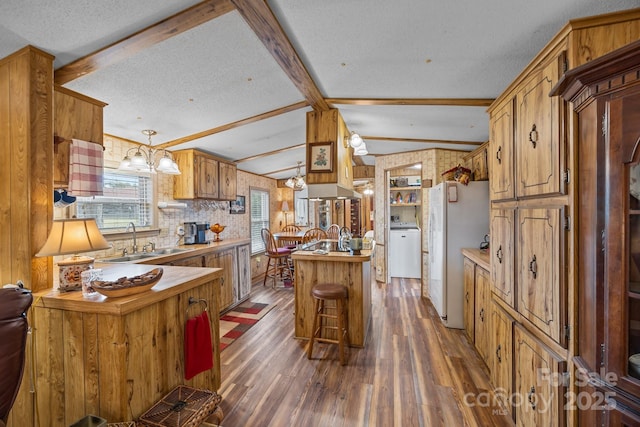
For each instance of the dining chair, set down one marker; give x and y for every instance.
(314, 234)
(333, 232)
(281, 258)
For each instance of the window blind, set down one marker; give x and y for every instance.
(259, 205)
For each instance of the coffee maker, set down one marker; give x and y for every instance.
(201, 232)
(190, 233)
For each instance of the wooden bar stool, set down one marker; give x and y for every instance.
(321, 293)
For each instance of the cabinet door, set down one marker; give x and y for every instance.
(502, 250)
(538, 386)
(540, 150)
(228, 181)
(500, 154)
(195, 261)
(479, 166)
(483, 317)
(469, 297)
(541, 291)
(244, 272)
(501, 358)
(207, 178)
(225, 260)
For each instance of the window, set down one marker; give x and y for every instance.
(127, 198)
(259, 200)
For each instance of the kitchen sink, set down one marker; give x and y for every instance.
(167, 251)
(129, 258)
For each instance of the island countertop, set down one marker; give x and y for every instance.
(174, 281)
(352, 271)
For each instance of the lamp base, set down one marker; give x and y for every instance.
(70, 270)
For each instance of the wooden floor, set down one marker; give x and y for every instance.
(412, 372)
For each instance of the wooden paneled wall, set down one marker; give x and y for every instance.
(328, 126)
(26, 162)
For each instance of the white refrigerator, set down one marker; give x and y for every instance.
(458, 218)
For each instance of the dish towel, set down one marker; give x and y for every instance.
(198, 352)
(85, 168)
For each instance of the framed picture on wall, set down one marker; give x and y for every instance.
(237, 206)
(320, 157)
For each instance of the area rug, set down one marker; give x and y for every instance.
(239, 320)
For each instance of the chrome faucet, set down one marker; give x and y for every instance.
(135, 244)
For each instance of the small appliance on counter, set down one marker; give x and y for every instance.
(190, 233)
(201, 232)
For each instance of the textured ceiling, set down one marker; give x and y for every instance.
(220, 72)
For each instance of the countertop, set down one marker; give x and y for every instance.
(175, 280)
(364, 256)
(190, 251)
(480, 256)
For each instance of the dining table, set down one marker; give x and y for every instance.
(284, 238)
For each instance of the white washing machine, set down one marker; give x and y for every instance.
(404, 253)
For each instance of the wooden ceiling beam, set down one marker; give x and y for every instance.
(271, 153)
(143, 39)
(426, 141)
(452, 102)
(228, 126)
(264, 24)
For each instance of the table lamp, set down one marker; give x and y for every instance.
(72, 236)
(285, 209)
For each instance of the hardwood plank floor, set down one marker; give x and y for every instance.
(413, 371)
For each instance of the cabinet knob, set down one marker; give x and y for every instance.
(499, 155)
(466, 296)
(533, 136)
(531, 397)
(499, 353)
(533, 267)
(208, 178)
(499, 254)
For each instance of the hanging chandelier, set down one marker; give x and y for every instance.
(144, 159)
(296, 182)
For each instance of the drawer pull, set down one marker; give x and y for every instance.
(533, 267)
(499, 254)
(482, 315)
(531, 397)
(499, 155)
(499, 353)
(533, 136)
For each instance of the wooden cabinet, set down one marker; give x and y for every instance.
(502, 228)
(204, 177)
(206, 183)
(469, 277)
(226, 260)
(541, 278)
(476, 162)
(477, 300)
(482, 312)
(76, 116)
(539, 381)
(500, 152)
(227, 181)
(606, 97)
(196, 261)
(501, 356)
(539, 143)
(244, 273)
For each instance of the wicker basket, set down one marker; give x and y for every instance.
(458, 173)
(184, 406)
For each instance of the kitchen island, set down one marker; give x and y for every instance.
(352, 271)
(116, 357)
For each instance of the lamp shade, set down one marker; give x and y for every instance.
(72, 236)
(285, 206)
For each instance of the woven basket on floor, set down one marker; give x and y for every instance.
(183, 407)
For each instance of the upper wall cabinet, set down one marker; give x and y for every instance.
(539, 143)
(500, 153)
(76, 116)
(203, 177)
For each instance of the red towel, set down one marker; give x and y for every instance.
(198, 351)
(86, 168)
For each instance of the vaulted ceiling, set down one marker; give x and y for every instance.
(237, 77)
